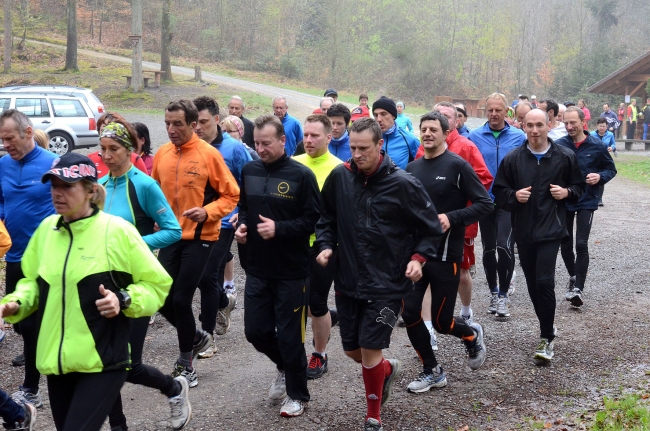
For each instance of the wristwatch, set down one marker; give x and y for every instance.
(125, 299)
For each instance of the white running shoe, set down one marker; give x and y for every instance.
(181, 409)
(278, 389)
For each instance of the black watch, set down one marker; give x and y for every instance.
(125, 299)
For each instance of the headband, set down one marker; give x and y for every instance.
(118, 133)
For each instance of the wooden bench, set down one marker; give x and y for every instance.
(629, 142)
(128, 80)
(156, 79)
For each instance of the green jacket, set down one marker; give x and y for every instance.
(64, 264)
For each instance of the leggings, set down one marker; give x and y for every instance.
(319, 283)
(496, 234)
(81, 401)
(185, 262)
(213, 297)
(443, 278)
(141, 374)
(538, 259)
(28, 328)
(577, 264)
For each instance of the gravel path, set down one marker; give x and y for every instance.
(600, 350)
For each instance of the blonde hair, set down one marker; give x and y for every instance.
(98, 191)
(41, 138)
(499, 96)
(232, 121)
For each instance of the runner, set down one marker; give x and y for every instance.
(531, 180)
(138, 199)
(201, 191)
(292, 127)
(451, 183)
(399, 144)
(318, 132)
(369, 211)
(463, 130)
(90, 304)
(236, 107)
(278, 210)
(403, 122)
(597, 168)
(494, 140)
(339, 146)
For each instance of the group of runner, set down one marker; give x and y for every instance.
(344, 198)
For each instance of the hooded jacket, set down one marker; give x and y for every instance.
(64, 264)
(593, 157)
(340, 148)
(377, 224)
(542, 217)
(494, 149)
(400, 145)
(195, 175)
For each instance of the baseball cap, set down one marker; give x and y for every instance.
(72, 167)
(359, 112)
(330, 92)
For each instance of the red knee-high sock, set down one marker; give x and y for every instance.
(373, 380)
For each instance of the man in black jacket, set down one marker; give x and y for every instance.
(451, 183)
(384, 228)
(278, 209)
(533, 183)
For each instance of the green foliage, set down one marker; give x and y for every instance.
(629, 413)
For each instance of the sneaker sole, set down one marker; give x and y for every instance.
(32, 414)
(437, 385)
(293, 415)
(397, 368)
(204, 355)
(543, 357)
(502, 314)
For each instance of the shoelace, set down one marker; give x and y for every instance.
(314, 362)
(176, 404)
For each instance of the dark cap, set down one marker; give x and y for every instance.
(569, 103)
(72, 167)
(386, 104)
(330, 92)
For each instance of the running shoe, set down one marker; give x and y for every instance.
(372, 424)
(181, 409)
(544, 350)
(502, 307)
(278, 388)
(390, 379)
(426, 381)
(232, 290)
(188, 373)
(223, 316)
(468, 319)
(27, 424)
(317, 366)
(209, 351)
(434, 339)
(576, 298)
(199, 346)
(570, 286)
(512, 288)
(18, 361)
(476, 348)
(494, 300)
(291, 408)
(22, 396)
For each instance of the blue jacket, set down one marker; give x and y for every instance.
(138, 199)
(593, 157)
(400, 145)
(341, 147)
(495, 149)
(464, 131)
(404, 122)
(24, 201)
(293, 133)
(236, 156)
(608, 139)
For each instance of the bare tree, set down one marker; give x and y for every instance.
(137, 84)
(166, 41)
(71, 46)
(8, 37)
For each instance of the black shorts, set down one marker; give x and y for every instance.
(319, 283)
(367, 323)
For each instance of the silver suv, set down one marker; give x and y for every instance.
(68, 121)
(66, 90)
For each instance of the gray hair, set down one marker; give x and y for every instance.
(324, 99)
(22, 121)
(243, 105)
(279, 98)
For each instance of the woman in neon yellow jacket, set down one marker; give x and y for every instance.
(86, 273)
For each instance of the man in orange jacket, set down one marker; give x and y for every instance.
(201, 191)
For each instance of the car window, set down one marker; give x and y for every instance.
(81, 96)
(33, 107)
(68, 108)
(4, 105)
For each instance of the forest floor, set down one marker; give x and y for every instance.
(601, 350)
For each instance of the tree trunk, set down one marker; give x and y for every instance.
(71, 48)
(8, 37)
(137, 83)
(166, 41)
(101, 20)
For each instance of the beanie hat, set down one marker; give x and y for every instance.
(386, 104)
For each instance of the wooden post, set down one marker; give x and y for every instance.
(197, 74)
(137, 83)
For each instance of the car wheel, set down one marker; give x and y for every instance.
(60, 143)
